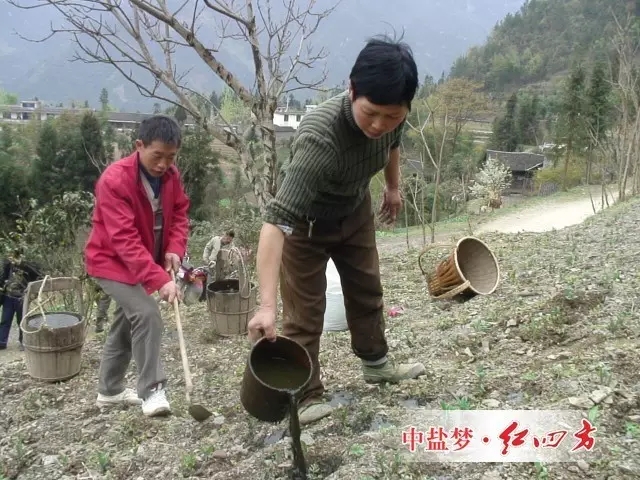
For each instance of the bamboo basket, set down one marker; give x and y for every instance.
(470, 269)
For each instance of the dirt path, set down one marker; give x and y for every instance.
(545, 217)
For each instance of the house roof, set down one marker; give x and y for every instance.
(290, 112)
(518, 161)
(121, 117)
(43, 109)
(125, 117)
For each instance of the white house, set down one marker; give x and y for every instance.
(30, 109)
(287, 118)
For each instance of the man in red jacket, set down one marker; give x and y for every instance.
(139, 233)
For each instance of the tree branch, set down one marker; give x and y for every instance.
(147, 34)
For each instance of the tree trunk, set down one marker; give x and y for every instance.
(422, 216)
(567, 158)
(406, 225)
(434, 207)
(259, 157)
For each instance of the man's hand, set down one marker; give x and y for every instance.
(171, 262)
(169, 292)
(262, 324)
(391, 205)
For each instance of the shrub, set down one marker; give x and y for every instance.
(575, 176)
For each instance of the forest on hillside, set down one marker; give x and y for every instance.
(544, 38)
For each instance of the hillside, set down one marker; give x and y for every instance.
(439, 31)
(560, 333)
(539, 41)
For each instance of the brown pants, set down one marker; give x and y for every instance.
(351, 243)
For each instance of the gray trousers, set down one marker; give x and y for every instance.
(136, 330)
(103, 307)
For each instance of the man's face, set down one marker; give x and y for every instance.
(157, 157)
(226, 240)
(377, 120)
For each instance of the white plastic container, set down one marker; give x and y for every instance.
(335, 316)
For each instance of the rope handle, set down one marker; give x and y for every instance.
(38, 302)
(245, 277)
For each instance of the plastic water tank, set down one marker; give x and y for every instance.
(335, 316)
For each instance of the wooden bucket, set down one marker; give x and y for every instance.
(229, 309)
(53, 340)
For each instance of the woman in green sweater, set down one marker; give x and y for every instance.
(323, 210)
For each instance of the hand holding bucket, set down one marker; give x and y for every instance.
(471, 269)
(274, 372)
(263, 324)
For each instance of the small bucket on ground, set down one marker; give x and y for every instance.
(470, 269)
(230, 311)
(275, 371)
(231, 303)
(53, 340)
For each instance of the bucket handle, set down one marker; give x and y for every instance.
(72, 284)
(38, 301)
(245, 284)
(426, 249)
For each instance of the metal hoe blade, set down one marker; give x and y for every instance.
(199, 413)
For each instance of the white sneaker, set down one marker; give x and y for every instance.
(156, 404)
(127, 397)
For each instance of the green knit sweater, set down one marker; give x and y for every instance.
(330, 167)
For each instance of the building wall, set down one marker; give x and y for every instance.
(291, 119)
(26, 116)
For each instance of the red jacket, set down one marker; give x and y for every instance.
(121, 243)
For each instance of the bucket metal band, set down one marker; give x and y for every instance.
(53, 350)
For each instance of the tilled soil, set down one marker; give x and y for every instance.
(560, 332)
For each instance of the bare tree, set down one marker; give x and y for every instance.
(135, 36)
(626, 86)
(100, 163)
(437, 118)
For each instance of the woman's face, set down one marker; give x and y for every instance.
(377, 120)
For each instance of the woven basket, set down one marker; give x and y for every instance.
(471, 269)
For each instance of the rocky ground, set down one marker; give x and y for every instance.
(561, 332)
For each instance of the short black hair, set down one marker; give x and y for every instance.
(231, 234)
(162, 128)
(385, 73)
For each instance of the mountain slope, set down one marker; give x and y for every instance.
(438, 31)
(539, 41)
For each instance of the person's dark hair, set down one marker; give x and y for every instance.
(231, 234)
(162, 128)
(385, 73)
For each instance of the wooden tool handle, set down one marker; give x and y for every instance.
(183, 350)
